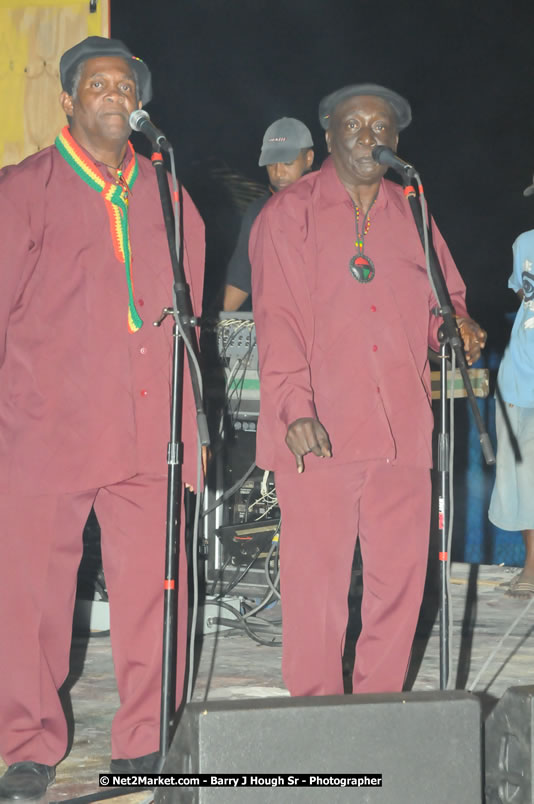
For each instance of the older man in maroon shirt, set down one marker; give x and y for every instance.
(344, 318)
(84, 413)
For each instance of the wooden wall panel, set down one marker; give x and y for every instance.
(32, 38)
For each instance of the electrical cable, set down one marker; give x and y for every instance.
(244, 619)
(236, 389)
(102, 795)
(426, 242)
(185, 335)
(243, 622)
(261, 605)
(219, 577)
(235, 384)
(194, 368)
(426, 245)
(230, 492)
(273, 585)
(194, 554)
(450, 683)
(498, 646)
(233, 583)
(271, 501)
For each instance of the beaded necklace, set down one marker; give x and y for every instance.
(116, 198)
(361, 267)
(127, 192)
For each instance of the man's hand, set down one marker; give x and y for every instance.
(307, 435)
(473, 336)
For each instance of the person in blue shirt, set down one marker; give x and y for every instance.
(512, 501)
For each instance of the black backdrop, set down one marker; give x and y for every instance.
(224, 69)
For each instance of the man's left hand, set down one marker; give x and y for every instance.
(474, 338)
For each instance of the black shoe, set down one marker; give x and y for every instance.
(26, 781)
(148, 763)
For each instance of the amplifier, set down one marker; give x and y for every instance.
(426, 746)
(236, 340)
(242, 537)
(233, 364)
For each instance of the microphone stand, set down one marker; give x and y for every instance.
(450, 340)
(183, 328)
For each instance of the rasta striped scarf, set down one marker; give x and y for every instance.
(116, 199)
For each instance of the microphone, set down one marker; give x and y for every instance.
(385, 156)
(140, 121)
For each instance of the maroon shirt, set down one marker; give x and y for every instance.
(83, 402)
(353, 355)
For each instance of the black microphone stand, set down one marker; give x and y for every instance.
(184, 328)
(450, 340)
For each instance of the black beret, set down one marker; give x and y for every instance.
(95, 46)
(400, 105)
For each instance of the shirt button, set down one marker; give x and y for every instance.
(373, 308)
(142, 350)
(140, 302)
(375, 347)
(144, 392)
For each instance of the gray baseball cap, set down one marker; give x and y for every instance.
(283, 141)
(400, 105)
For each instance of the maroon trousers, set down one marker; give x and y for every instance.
(40, 550)
(323, 513)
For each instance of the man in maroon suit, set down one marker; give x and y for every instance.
(84, 413)
(344, 318)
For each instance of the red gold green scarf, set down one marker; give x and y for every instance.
(116, 200)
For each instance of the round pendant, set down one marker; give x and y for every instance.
(362, 268)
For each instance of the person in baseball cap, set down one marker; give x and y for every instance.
(95, 46)
(286, 154)
(283, 141)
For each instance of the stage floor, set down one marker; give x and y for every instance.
(233, 666)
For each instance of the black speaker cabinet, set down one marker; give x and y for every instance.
(509, 756)
(426, 745)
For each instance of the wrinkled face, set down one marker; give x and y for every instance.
(282, 174)
(357, 125)
(105, 98)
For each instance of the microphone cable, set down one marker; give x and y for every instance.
(195, 368)
(426, 247)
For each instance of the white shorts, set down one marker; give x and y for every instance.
(512, 501)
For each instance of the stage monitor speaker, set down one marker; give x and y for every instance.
(509, 754)
(426, 745)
